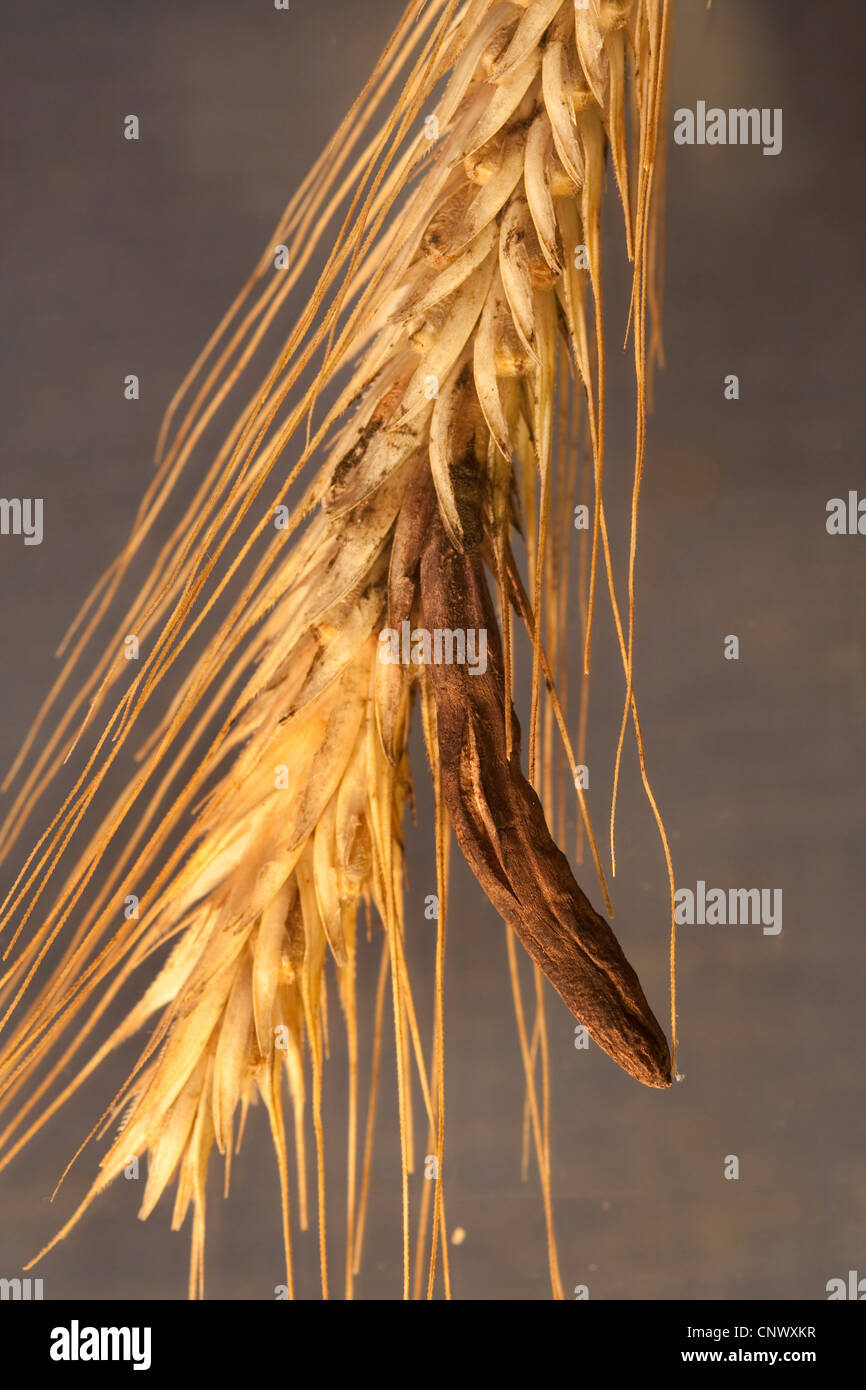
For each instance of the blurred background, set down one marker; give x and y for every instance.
(120, 257)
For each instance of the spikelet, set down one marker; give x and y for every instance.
(463, 283)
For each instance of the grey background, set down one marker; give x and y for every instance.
(121, 258)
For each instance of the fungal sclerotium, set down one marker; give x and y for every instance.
(348, 559)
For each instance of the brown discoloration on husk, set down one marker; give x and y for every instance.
(501, 829)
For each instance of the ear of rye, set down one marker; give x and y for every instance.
(266, 804)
